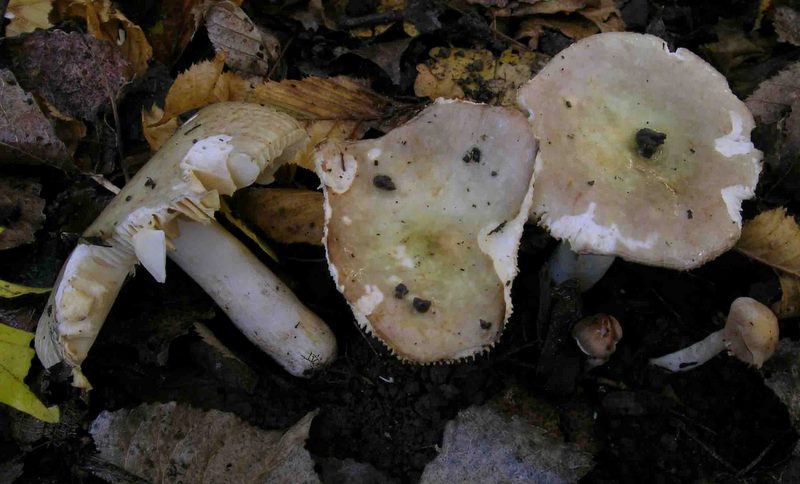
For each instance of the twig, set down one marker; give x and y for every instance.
(709, 450)
(755, 461)
(278, 60)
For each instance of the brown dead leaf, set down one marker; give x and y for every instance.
(476, 74)
(605, 15)
(286, 215)
(778, 99)
(157, 134)
(548, 6)
(26, 136)
(574, 27)
(787, 24)
(247, 48)
(77, 73)
(105, 22)
(734, 46)
(27, 16)
(178, 20)
(193, 89)
(21, 211)
(789, 305)
(322, 130)
(173, 442)
(773, 238)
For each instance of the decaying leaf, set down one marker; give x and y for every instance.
(26, 136)
(15, 361)
(773, 238)
(777, 100)
(386, 55)
(176, 443)
(576, 28)
(352, 472)
(782, 376)
(217, 359)
(105, 22)
(9, 290)
(483, 445)
(321, 130)
(157, 134)
(225, 211)
(76, 73)
(789, 304)
(20, 211)
(177, 22)
(604, 14)
(787, 24)
(734, 47)
(27, 16)
(476, 74)
(193, 89)
(248, 49)
(286, 215)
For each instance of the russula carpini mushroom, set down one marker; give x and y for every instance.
(423, 224)
(224, 147)
(643, 153)
(597, 336)
(750, 334)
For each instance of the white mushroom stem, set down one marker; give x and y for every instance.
(588, 269)
(255, 300)
(694, 355)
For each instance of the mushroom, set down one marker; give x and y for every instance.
(422, 227)
(597, 336)
(224, 147)
(750, 334)
(643, 153)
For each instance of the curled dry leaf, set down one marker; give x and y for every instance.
(193, 89)
(76, 73)
(105, 22)
(476, 74)
(247, 48)
(287, 215)
(176, 443)
(157, 134)
(483, 445)
(27, 16)
(20, 211)
(26, 136)
(773, 238)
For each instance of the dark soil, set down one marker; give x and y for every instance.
(716, 423)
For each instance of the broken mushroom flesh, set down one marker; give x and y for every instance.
(224, 147)
(422, 227)
(643, 153)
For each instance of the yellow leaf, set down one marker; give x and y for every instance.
(156, 136)
(193, 88)
(27, 16)
(476, 75)
(789, 305)
(9, 290)
(286, 215)
(230, 217)
(773, 237)
(15, 361)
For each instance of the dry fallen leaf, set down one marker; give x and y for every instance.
(27, 16)
(777, 100)
(248, 49)
(26, 136)
(787, 24)
(10, 290)
(476, 74)
(226, 213)
(171, 442)
(21, 211)
(483, 445)
(193, 89)
(773, 238)
(789, 305)
(105, 22)
(77, 73)
(576, 28)
(157, 134)
(286, 215)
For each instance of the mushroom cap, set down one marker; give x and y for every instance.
(422, 227)
(671, 202)
(751, 331)
(597, 336)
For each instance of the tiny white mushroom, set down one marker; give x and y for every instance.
(224, 147)
(750, 334)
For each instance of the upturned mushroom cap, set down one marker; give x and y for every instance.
(751, 331)
(643, 153)
(423, 224)
(224, 147)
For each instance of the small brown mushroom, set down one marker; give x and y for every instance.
(750, 334)
(597, 336)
